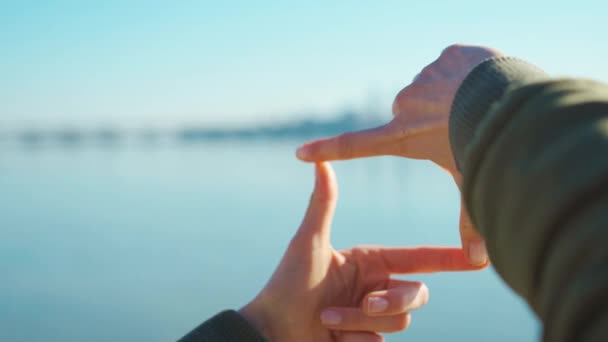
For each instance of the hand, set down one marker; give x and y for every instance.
(353, 287)
(418, 130)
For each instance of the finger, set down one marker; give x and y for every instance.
(354, 336)
(401, 260)
(354, 319)
(316, 225)
(401, 297)
(472, 242)
(359, 144)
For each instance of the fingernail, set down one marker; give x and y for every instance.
(302, 152)
(331, 317)
(478, 254)
(423, 294)
(376, 304)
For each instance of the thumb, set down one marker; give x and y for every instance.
(472, 243)
(316, 226)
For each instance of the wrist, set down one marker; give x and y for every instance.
(481, 88)
(255, 314)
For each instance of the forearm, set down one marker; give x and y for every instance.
(536, 184)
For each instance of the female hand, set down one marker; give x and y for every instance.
(418, 130)
(320, 294)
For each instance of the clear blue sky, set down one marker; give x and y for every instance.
(245, 60)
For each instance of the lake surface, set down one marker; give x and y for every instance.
(142, 243)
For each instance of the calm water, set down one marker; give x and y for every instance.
(143, 243)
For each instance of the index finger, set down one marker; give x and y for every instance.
(358, 144)
(400, 260)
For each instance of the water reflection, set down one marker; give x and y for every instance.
(150, 242)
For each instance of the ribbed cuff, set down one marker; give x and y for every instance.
(227, 326)
(482, 87)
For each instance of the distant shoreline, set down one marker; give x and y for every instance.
(301, 129)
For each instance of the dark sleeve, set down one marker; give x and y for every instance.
(227, 326)
(534, 155)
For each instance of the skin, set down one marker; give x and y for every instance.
(418, 130)
(320, 294)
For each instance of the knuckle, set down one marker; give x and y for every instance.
(403, 94)
(360, 253)
(401, 99)
(428, 72)
(395, 109)
(452, 50)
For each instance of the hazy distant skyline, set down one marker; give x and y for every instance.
(215, 62)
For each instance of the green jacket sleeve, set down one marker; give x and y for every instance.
(227, 326)
(534, 155)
